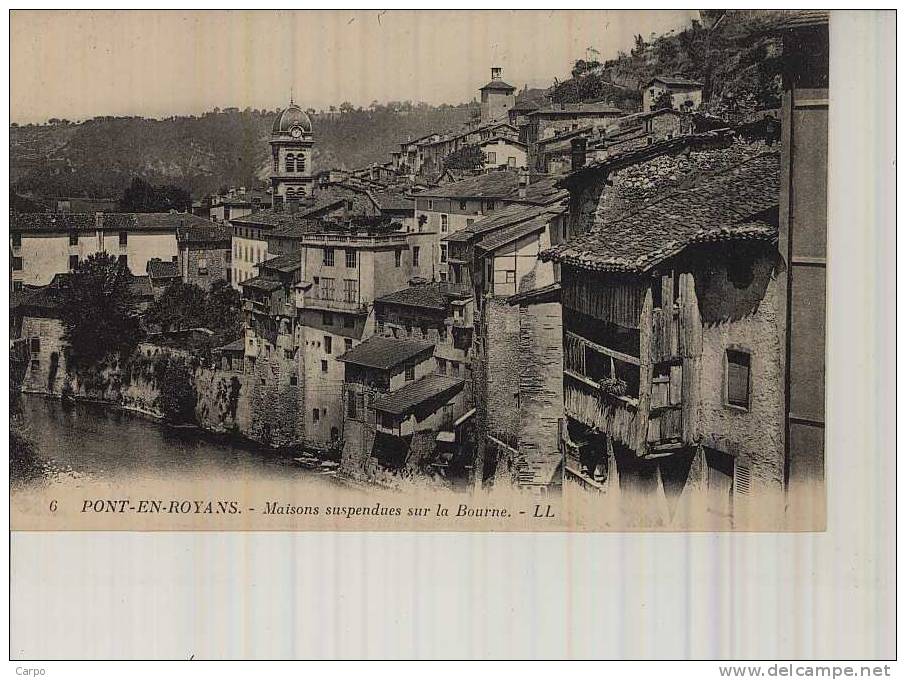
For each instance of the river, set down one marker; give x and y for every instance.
(96, 442)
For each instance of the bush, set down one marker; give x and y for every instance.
(177, 393)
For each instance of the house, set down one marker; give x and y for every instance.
(161, 274)
(36, 323)
(237, 203)
(45, 244)
(503, 151)
(205, 254)
(550, 121)
(685, 94)
(448, 209)
(395, 406)
(672, 346)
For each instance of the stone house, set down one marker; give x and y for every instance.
(686, 94)
(204, 254)
(497, 97)
(672, 349)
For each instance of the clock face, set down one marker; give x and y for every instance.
(296, 131)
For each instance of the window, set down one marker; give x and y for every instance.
(656, 293)
(290, 162)
(328, 344)
(397, 258)
(73, 238)
(350, 405)
(348, 322)
(430, 205)
(17, 286)
(454, 369)
(124, 238)
(510, 276)
(327, 318)
(350, 259)
(443, 276)
(327, 288)
(293, 380)
(415, 251)
(35, 364)
(511, 161)
(35, 345)
(347, 343)
(17, 239)
(489, 206)
(462, 205)
(492, 158)
(443, 252)
(123, 260)
(73, 262)
(334, 434)
(738, 372)
(410, 373)
(387, 421)
(441, 366)
(350, 290)
(287, 354)
(469, 222)
(300, 167)
(202, 266)
(315, 415)
(444, 223)
(323, 365)
(328, 257)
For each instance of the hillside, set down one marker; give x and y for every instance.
(730, 52)
(202, 154)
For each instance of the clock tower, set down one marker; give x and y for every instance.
(292, 175)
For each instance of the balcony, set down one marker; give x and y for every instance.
(314, 301)
(357, 240)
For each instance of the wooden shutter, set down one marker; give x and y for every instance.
(738, 364)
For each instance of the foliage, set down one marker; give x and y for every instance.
(663, 101)
(185, 305)
(177, 397)
(24, 462)
(143, 197)
(97, 310)
(465, 158)
(613, 386)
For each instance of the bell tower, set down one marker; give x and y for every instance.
(292, 174)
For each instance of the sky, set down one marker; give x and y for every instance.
(77, 65)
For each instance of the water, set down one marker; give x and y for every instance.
(91, 441)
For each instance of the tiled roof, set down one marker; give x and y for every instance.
(63, 222)
(675, 81)
(503, 219)
(260, 283)
(288, 262)
(435, 295)
(203, 233)
(385, 353)
(588, 109)
(407, 398)
(237, 345)
(507, 235)
(498, 85)
(804, 18)
(526, 105)
(389, 200)
(727, 206)
(162, 269)
(502, 185)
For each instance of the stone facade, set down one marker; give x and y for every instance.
(203, 264)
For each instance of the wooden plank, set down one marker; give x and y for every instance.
(676, 385)
(620, 356)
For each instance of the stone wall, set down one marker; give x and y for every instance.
(216, 259)
(46, 369)
(503, 367)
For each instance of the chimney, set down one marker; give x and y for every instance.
(578, 152)
(496, 72)
(524, 180)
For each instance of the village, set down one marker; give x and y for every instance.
(557, 299)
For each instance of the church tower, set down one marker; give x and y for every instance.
(292, 174)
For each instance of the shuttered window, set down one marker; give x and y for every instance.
(738, 370)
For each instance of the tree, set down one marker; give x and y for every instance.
(140, 196)
(466, 158)
(97, 310)
(177, 397)
(663, 101)
(181, 306)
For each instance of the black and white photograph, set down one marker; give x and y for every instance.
(407, 270)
